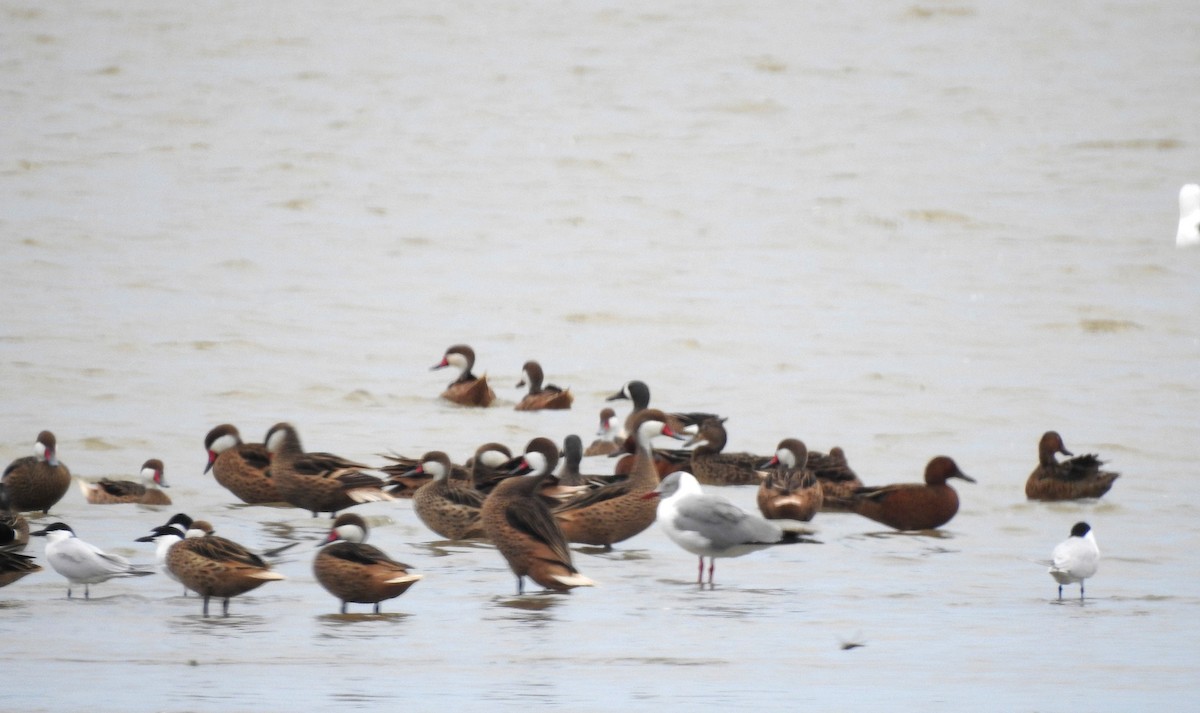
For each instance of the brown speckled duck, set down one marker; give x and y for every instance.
(1077, 477)
(608, 438)
(448, 506)
(241, 468)
(711, 466)
(541, 396)
(318, 482)
(354, 571)
(112, 492)
(618, 511)
(913, 506)
(213, 566)
(522, 528)
(790, 491)
(38, 481)
(467, 389)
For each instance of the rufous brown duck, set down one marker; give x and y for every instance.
(912, 506)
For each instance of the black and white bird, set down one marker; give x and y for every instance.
(1075, 558)
(81, 562)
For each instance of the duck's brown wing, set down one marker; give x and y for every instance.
(359, 553)
(465, 496)
(255, 455)
(121, 488)
(1079, 467)
(220, 549)
(534, 519)
(593, 496)
(323, 464)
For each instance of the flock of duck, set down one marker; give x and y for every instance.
(530, 505)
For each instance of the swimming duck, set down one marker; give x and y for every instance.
(241, 468)
(213, 566)
(541, 396)
(318, 482)
(912, 506)
(618, 511)
(81, 562)
(357, 572)
(39, 481)
(608, 438)
(449, 507)
(710, 465)
(790, 491)
(467, 389)
(111, 492)
(1075, 558)
(711, 526)
(1078, 477)
(524, 531)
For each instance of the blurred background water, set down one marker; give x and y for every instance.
(906, 229)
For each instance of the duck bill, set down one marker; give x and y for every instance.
(212, 458)
(617, 396)
(964, 476)
(440, 365)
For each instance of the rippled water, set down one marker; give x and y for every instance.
(902, 229)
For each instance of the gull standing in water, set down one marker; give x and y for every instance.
(711, 526)
(1075, 558)
(81, 562)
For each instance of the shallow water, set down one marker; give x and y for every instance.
(905, 230)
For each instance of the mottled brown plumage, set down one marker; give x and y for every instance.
(1077, 477)
(523, 529)
(39, 481)
(213, 566)
(618, 511)
(318, 482)
(241, 468)
(712, 466)
(357, 572)
(449, 507)
(790, 491)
